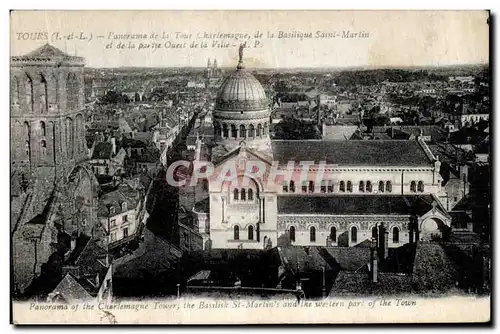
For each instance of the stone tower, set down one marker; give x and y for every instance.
(47, 120)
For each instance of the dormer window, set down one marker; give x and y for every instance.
(111, 210)
(124, 206)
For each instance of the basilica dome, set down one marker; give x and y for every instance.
(241, 92)
(241, 113)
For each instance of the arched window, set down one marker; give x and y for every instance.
(420, 186)
(111, 210)
(43, 98)
(323, 187)
(354, 234)
(68, 130)
(234, 133)
(72, 91)
(80, 133)
(330, 186)
(361, 186)
(413, 186)
(124, 206)
(312, 234)
(251, 131)
(43, 130)
(27, 149)
(250, 194)
(265, 130)
(388, 186)
(55, 80)
(342, 186)
(27, 140)
(374, 232)
(236, 231)
(368, 186)
(243, 131)
(250, 232)
(292, 186)
(236, 194)
(14, 89)
(395, 235)
(381, 187)
(243, 195)
(29, 93)
(225, 131)
(217, 129)
(292, 233)
(259, 130)
(43, 148)
(311, 186)
(349, 186)
(333, 234)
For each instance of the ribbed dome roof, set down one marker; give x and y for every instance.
(241, 91)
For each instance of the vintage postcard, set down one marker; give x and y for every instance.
(250, 167)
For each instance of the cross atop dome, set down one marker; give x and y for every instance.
(240, 62)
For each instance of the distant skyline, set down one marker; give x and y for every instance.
(390, 39)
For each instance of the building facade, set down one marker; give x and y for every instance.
(54, 196)
(264, 193)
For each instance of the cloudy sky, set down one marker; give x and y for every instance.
(357, 38)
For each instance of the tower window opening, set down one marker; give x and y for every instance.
(413, 186)
(285, 186)
(225, 131)
(388, 186)
(381, 186)
(420, 186)
(330, 186)
(395, 235)
(354, 234)
(292, 233)
(250, 194)
(251, 131)
(250, 232)
(312, 234)
(349, 186)
(368, 186)
(333, 234)
(311, 186)
(361, 186)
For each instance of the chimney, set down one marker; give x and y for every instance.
(113, 145)
(374, 261)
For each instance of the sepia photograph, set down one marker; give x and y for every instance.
(250, 167)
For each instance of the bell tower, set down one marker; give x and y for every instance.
(47, 120)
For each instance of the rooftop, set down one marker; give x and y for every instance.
(48, 55)
(355, 204)
(103, 151)
(352, 152)
(124, 194)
